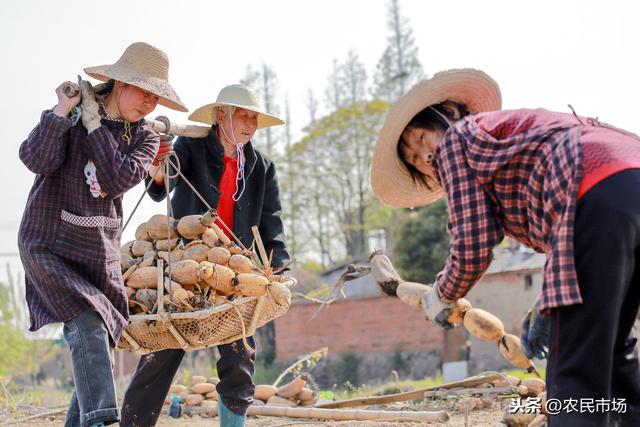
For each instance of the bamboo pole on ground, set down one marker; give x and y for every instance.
(333, 414)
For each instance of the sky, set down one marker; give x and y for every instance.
(543, 54)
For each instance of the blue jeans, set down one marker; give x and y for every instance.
(94, 397)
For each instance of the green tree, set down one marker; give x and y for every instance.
(335, 163)
(19, 355)
(422, 243)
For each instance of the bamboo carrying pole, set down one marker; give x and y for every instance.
(411, 395)
(333, 414)
(192, 131)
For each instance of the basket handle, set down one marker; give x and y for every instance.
(260, 247)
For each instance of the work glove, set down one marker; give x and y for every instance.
(383, 272)
(435, 309)
(535, 333)
(90, 111)
(165, 149)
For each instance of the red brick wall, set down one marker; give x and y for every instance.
(371, 325)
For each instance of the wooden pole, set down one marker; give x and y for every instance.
(178, 129)
(411, 395)
(260, 247)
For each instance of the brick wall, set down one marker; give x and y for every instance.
(379, 325)
(372, 325)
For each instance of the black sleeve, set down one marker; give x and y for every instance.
(271, 227)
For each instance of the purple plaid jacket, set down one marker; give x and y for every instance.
(514, 173)
(69, 238)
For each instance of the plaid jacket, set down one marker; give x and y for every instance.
(69, 237)
(515, 173)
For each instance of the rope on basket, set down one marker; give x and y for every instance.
(244, 331)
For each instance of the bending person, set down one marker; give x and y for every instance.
(565, 185)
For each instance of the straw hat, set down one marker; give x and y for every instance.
(236, 95)
(390, 181)
(146, 67)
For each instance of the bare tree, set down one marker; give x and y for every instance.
(312, 105)
(333, 93)
(264, 82)
(398, 68)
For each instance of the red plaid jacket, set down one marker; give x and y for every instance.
(515, 173)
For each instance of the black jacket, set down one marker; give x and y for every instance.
(201, 162)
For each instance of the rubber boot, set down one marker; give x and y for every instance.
(175, 409)
(228, 418)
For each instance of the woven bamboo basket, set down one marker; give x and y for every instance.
(147, 333)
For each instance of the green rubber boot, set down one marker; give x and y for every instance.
(228, 418)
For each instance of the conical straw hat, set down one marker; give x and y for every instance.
(236, 95)
(146, 67)
(390, 181)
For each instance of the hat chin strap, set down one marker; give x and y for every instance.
(442, 116)
(241, 160)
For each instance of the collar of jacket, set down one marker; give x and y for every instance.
(216, 150)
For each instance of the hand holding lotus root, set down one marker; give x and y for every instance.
(478, 322)
(209, 271)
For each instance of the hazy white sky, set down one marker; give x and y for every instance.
(543, 54)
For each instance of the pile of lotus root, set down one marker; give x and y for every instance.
(208, 271)
(478, 322)
(203, 393)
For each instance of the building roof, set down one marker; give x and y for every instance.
(363, 287)
(521, 259)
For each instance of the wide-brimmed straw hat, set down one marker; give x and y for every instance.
(390, 181)
(236, 95)
(143, 66)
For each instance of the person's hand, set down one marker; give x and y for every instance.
(90, 110)
(535, 333)
(165, 149)
(435, 309)
(68, 97)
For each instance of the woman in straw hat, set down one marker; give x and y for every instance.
(240, 182)
(565, 185)
(69, 238)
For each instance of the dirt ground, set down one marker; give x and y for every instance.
(476, 418)
(483, 417)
